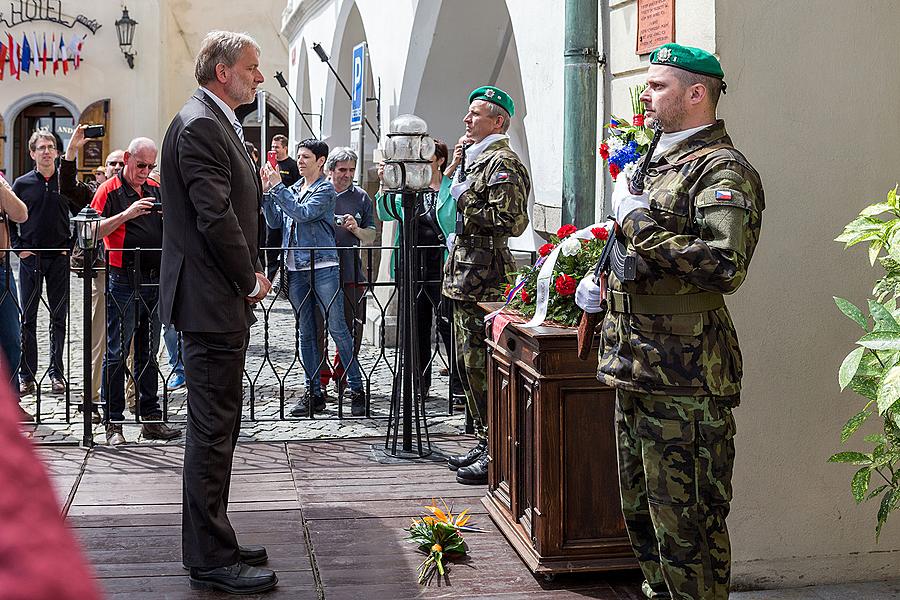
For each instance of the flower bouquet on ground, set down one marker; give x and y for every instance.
(439, 535)
(572, 254)
(627, 143)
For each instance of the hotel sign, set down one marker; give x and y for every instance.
(29, 11)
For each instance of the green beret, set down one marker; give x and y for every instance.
(489, 93)
(690, 59)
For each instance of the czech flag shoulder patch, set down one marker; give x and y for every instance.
(723, 195)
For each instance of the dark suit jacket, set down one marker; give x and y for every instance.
(211, 197)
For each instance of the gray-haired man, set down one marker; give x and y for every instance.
(354, 224)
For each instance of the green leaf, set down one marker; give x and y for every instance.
(888, 503)
(884, 320)
(853, 424)
(854, 458)
(881, 340)
(875, 209)
(852, 311)
(874, 250)
(849, 367)
(875, 438)
(866, 386)
(876, 491)
(892, 198)
(860, 484)
(889, 390)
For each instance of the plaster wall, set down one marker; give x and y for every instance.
(813, 112)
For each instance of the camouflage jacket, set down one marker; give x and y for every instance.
(494, 208)
(699, 234)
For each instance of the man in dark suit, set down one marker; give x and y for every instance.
(210, 277)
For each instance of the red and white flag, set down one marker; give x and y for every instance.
(2, 60)
(55, 55)
(44, 56)
(78, 47)
(13, 63)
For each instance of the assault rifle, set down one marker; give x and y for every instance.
(615, 257)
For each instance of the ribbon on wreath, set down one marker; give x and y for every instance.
(545, 276)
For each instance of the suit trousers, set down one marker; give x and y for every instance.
(214, 369)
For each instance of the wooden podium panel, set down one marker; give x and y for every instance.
(553, 486)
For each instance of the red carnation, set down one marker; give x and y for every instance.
(566, 285)
(546, 249)
(600, 233)
(613, 170)
(525, 298)
(638, 121)
(604, 151)
(566, 230)
(507, 290)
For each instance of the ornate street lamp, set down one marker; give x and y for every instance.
(407, 171)
(87, 230)
(125, 31)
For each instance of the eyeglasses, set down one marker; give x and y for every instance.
(45, 148)
(116, 163)
(141, 166)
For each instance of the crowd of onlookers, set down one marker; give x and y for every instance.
(310, 203)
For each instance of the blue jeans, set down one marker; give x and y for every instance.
(131, 315)
(172, 338)
(10, 334)
(329, 299)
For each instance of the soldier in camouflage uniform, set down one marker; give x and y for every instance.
(492, 206)
(668, 344)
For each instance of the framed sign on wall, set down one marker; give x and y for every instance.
(656, 24)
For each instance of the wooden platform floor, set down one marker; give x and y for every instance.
(330, 513)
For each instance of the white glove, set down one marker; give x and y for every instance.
(624, 202)
(589, 295)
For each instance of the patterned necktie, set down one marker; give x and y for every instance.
(238, 129)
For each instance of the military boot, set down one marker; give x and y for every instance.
(464, 460)
(655, 592)
(476, 473)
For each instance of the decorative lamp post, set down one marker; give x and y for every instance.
(407, 171)
(125, 32)
(87, 230)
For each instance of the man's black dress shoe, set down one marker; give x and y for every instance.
(464, 460)
(239, 578)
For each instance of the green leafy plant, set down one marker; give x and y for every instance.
(872, 370)
(439, 536)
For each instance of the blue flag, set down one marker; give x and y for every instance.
(26, 55)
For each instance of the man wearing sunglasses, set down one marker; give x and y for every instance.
(82, 193)
(129, 204)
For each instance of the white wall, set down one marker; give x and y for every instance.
(814, 112)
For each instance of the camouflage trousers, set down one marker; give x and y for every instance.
(676, 456)
(471, 360)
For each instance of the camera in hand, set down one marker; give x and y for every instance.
(156, 207)
(94, 131)
(339, 220)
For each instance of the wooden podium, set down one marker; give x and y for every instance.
(553, 487)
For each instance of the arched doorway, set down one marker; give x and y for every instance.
(39, 115)
(276, 123)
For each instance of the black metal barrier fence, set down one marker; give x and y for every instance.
(136, 362)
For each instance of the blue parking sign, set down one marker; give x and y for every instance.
(359, 77)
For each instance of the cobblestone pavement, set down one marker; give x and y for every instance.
(273, 379)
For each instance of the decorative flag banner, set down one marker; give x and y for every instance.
(63, 56)
(13, 69)
(55, 55)
(2, 60)
(25, 58)
(78, 47)
(35, 53)
(44, 56)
